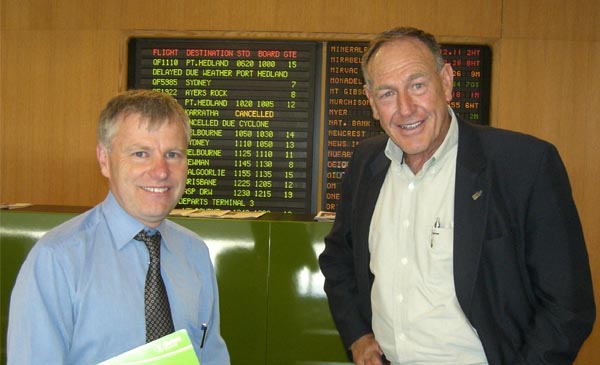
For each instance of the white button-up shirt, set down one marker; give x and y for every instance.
(416, 315)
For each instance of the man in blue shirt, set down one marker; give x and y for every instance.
(79, 296)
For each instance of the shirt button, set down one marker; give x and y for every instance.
(400, 298)
(402, 336)
(404, 261)
(406, 223)
(411, 186)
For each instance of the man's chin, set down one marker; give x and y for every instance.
(154, 217)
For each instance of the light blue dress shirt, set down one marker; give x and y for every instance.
(79, 296)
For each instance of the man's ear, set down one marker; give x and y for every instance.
(447, 76)
(371, 101)
(103, 160)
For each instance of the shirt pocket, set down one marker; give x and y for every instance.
(440, 254)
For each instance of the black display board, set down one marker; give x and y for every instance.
(255, 108)
(251, 107)
(349, 116)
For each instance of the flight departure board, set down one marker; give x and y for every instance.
(270, 118)
(349, 116)
(251, 108)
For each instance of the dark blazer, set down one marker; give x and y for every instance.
(521, 267)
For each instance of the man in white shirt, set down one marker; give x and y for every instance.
(449, 240)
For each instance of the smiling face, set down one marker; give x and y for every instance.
(146, 169)
(409, 96)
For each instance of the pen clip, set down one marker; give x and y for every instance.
(437, 224)
(204, 330)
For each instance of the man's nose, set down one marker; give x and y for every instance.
(160, 169)
(405, 104)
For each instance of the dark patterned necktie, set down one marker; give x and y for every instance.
(159, 322)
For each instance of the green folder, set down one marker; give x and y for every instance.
(173, 349)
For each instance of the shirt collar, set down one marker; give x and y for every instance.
(451, 139)
(124, 227)
(394, 153)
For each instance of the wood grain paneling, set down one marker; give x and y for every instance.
(54, 85)
(460, 18)
(551, 19)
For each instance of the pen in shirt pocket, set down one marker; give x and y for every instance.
(204, 330)
(435, 230)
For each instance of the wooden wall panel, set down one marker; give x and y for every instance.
(60, 15)
(544, 88)
(463, 17)
(54, 85)
(551, 19)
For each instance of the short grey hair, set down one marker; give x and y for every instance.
(396, 34)
(155, 107)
